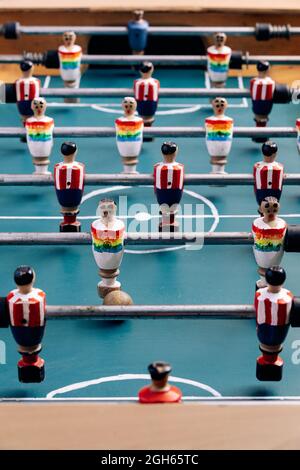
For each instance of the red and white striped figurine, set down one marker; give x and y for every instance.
(262, 90)
(146, 93)
(26, 307)
(39, 136)
(273, 306)
(27, 89)
(168, 186)
(268, 174)
(69, 185)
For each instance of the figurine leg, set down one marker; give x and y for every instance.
(31, 368)
(108, 281)
(72, 84)
(129, 164)
(261, 282)
(41, 165)
(70, 224)
(218, 164)
(269, 366)
(148, 121)
(260, 121)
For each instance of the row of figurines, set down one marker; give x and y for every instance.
(129, 135)
(168, 182)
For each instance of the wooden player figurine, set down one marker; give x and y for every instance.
(218, 59)
(129, 135)
(219, 131)
(108, 246)
(70, 55)
(268, 234)
(160, 391)
(268, 174)
(39, 136)
(168, 186)
(146, 91)
(262, 90)
(298, 134)
(27, 88)
(273, 305)
(27, 305)
(138, 33)
(69, 185)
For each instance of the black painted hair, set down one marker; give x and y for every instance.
(275, 276)
(146, 67)
(68, 148)
(26, 65)
(269, 148)
(168, 148)
(23, 275)
(262, 66)
(158, 370)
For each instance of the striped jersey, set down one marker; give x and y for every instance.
(168, 175)
(268, 175)
(27, 310)
(262, 88)
(273, 309)
(146, 89)
(69, 175)
(27, 89)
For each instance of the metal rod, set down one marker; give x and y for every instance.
(156, 132)
(142, 179)
(138, 238)
(153, 30)
(121, 312)
(107, 59)
(163, 93)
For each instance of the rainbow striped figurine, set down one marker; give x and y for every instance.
(219, 131)
(298, 134)
(39, 136)
(129, 135)
(268, 235)
(108, 246)
(218, 59)
(70, 55)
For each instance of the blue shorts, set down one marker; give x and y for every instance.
(146, 108)
(69, 197)
(262, 107)
(262, 193)
(24, 108)
(168, 196)
(272, 335)
(28, 336)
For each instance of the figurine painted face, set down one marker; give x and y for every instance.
(269, 207)
(107, 209)
(129, 105)
(219, 106)
(220, 39)
(39, 106)
(69, 38)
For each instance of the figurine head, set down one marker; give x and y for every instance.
(129, 105)
(38, 106)
(269, 207)
(69, 151)
(159, 372)
(275, 276)
(146, 69)
(219, 105)
(107, 209)
(27, 67)
(263, 67)
(69, 38)
(24, 277)
(138, 15)
(169, 151)
(220, 39)
(269, 150)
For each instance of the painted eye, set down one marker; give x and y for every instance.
(275, 205)
(267, 205)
